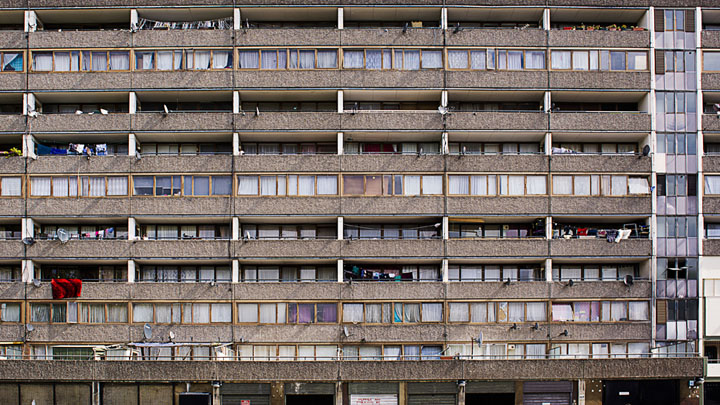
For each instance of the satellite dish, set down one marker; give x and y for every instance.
(646, 150)
(30, 328)
(63, 235)
(36, 282)
(716, 107)
(28, 241)
(147, 331)
(172, 335)
(345, 331)
(479, 339)
(629, 280)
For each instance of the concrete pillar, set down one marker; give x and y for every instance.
(443, 19)
(548, 227)
(340, 271)
(446, 228)
(236, 102)
(132, 145)
(547, 102)
(340, 228)
(29, 103)
(341, 18)
(237, 19)
(132, 102)
(235, 271)
(31, 21)
(546, 19)
(548, 270)
(132, 229)
(216, 392)
(235, 228)
(340, 143)
(548, 144)
(444, 98)
(28, 271)
(95, 393)
(131, 271)
(236, 147)
(134, 20)
(444, 144)
(28, 146)
(27, 228)
(519, 393)
(461, 393)
(338, 393)
(581, 392)
(444, 271)
(402, 393)
(340, 101)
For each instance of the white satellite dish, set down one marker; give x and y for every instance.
(479, 339)
(63, 235)
(147, 331)
(346, 332)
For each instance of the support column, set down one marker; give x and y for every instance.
(31, 21)
(131, 271)
(340, 143)
(341, 18)
(581, 392)
(235, 228)
(277, 393)
(546, 19)
(237, 19)
(548, 270)
(27, 228)
(132, 229)
(444, 98)
(28, 146)
(547, 102)
(340, 101)
(132, 102)
(338, 393)
(95, 393)
(444, 270)
(235, 271)
(548, 144)
(134, 20)
(445, 228)
(28, 271)
(132, 145)
(443, 19)
(236, 102)
(29, 102)
(236, 147)
(340, 275)
(461, 393)
(444, 144)
(340, 228)
(216, 392)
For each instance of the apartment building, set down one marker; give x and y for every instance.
(398, 202)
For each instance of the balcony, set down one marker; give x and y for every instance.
(504, 205)
(175, 249)
(12, 39)
(711, 81)
(61, 207)
(600, 247)
(383, 78)
(711, 247)
(600, 121)
(391, 248)
(599, 80)
(601, 163)
(79, 81)
(391, 163)
(601, 39)
(290, 37)
(329, 248)
(286, 206)
(12, 165)
(11, 249)
(281, 121)
(416, 205)
(207, 206)
(12, 81)
(80, 123)
(483, 248)
(531, 37)
(192, 79)
(182, 121)
(80, 39)
(287, 79)
(601, 290)
(711, 123)
(80, 164)
(12, 123)
(179, 164)
(498, 163)
(496, 120)
(419, 120)
(182, 38)
(527, 79)
(711, 205)
(81, 249)
(711, 163)
(567, 205)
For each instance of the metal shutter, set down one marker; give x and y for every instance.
(547, 386)
(381, 399)
(431, 399)
(432, 388)
(484, 387)
(661, 308)
(372, 388)
(234, 394)
(237, 399)
(659, 20)
(689, 20)
(659, 62)
(309, 389)
(547, 398)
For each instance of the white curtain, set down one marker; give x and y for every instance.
(117, 186)
(516, 185)
(712, 184)
(93, 186)
(411, 59)
(307, 59)
(459, 312)
(268, 312)
(165, 60)
(92, 313)
(62, 61)
(582, 185)
(479, 185)
(10, 312)
(638, 185)
(373, 59)
(639, 311)
(432, 185)
(201, 313)
(353, 313)
(327, 59)
(458, 185)
(536, 185)
(411, 312)
(248, 312)
(516, 312)
(60, 186)
(600, 350)
(117, 313)
(269, 60)
(432, 312)
(268, 185)
(99, 61)
(535, 59)
(373, 313)
(202, 60)
(580, 60)
(306, 185)
(619, 311)
(479, 312)
(221, 59)
(562, 312)
(326, 352)
(431, 59)
(619, 185)
(457, 59)
(562, 185)
(353, 59)
(221, 313)
(40, 186)
(638, 349)
(478, 60)
(247, 185)
(515, 60)
(412, 185)
(536, 312)
(327, 185)
(10, 186)
(560, 59)
(579, 350)
(118, 60)
(42, 61)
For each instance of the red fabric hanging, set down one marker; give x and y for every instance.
(66, 288)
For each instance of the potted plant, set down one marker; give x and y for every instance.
(635, 28)
(568, 28)
(613, 27)
(625, 27)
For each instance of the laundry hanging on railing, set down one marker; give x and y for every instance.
(99, 149)
(219, 24)
(66, 288)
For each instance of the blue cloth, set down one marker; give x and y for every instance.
(58, 151)
(43, 150)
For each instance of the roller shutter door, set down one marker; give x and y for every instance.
(245, 394)
(373, 393)
(432, 393)
(431, 399)
(547, 398)
(547, 392)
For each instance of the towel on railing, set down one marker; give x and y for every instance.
(66, 288)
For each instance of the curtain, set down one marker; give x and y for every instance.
(10, 312)
(536, 311)
(536, 185)
(458, 185)
(167, 274)
(92, 313)
(307, 59)
(638, 311)
(373, 59)
(619, 185)
(42, 61)
(327, 313)
(10, 186)
(306, 185)
(457, 59)
(353, 59)
(459, 312)
(99, 61)
(62, 61)
(479, 312)
(164, 313)
(562, 312)
(431, 59)
(581, 312)
(327, 59)
(326, 352)
(269, 60)
(201, 313)
(117, 186)
(247, 185)
(712, 184)
(515, 60)
(165, 60)
(268, 185)
(411, 59)
(478, 60)
(118, 60)
(221, 313)
(373, 313)
(269, 273)
(40, 186)
(249, 312)
(411, 313)
(12, 62)
(202, 60)
(221, 60)
(580, 60)
(60, 186)
(582, 185)
(93, 186)
(327, 185)
(617, 60)
(562, 185)
(268, 312)
(638, 185)
(428, 273)
(560, 59)
(431, 185)
(619, 311)
(479, 185)
(516, 312)
(579, 350)
(40, 312)
(535, 59)
(117, 313)
(516, 185)
(432, 312)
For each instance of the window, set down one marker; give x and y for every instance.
(391, 231)
(181, 185)
(492, 185)
(10, 186)
(600, 311)
(288, 148)
(178, 59)
(80, 61)
(10, 312)
(12, 61)
(500, 59)
(474, 148)
(598, 60)
(187, 313)
(606, 185)
(292, 313)
(711, 61)
(184, 274)
(484, 312)
(594, 272)
(67, 186)
(595, 148)
(712, 184)
(386, 184)
(287, 185)
(288, 273)
(283, 58)
(494, 272)
(389, 272)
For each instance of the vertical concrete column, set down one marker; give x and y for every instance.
(340, 271)
(31, 21)
(444, 144)
(29, 102)
(547, 102)
(132, 228)
(340, 101)
(443, 19)
(216, 392)
(444, 98)
(340, 143)
(444, 270)
(132, 102)
(548, 228)
(341, 18)
(28, 271)
(236, 144)
(95, 393)
(235, 228)
(134, 20)
(340, 228)
(131, 271)
(235, 271)
(237, 19)
(548, 144)
(461, 393)
(581, 392)
(446, 228)
(548, 270)
(402, 393)
(546, 19)
(236, 102)
(338, 393)
(28, 146)
(519, 393)
(27, 228)
(132, 145)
